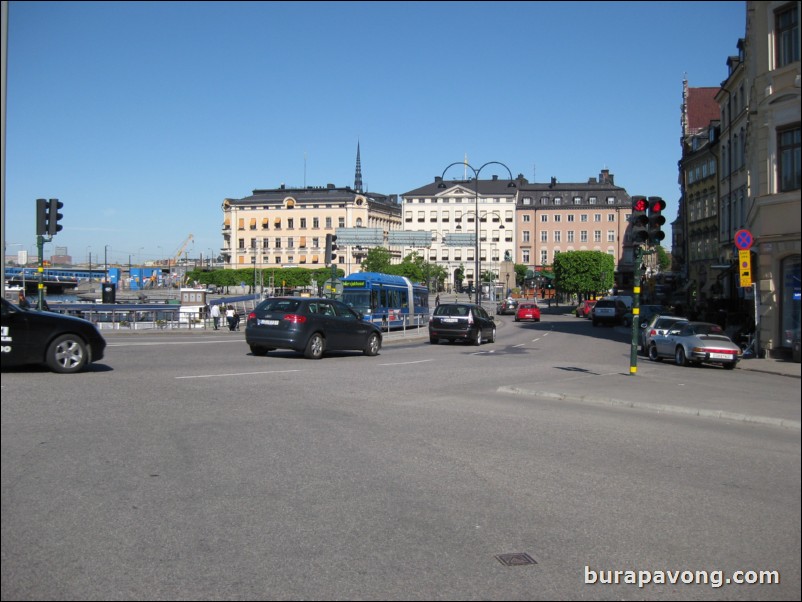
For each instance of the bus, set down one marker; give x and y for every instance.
(384, 299)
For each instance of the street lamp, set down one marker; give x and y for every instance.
(476, 173)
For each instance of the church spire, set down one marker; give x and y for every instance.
(358, 174)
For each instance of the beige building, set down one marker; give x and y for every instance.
(772, 158)
(287, 227)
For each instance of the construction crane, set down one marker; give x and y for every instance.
(181, 250)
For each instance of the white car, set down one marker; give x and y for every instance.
(657, 325)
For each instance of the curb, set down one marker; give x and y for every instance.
(660, 408)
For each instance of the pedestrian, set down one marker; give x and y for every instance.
(437, 300)
(215, 311)
(230, 317)
(23, 301)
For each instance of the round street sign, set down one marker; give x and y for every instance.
(743, 240)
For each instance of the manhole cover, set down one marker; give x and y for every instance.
(517, 559)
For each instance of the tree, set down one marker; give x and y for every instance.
(377, 260)
(583, 272)
(663, 259)
(520, 273)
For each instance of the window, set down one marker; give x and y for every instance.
(544, 257)
(583, 217)
(525, 234)
(787, 35)
(597, 236)
(597, 217)
(557, 236)
(788, 143)
(525, 256)
(557, 217)
(611, 217)
(526, 218)
(316, 222)
(583, 236)
(544, 217)
(544, 236)
(570, 217)
(570, 236)
(611, 200)
(610, 235)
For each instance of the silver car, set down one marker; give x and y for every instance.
(695, 343)
(656, 325)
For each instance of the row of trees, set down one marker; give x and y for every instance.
(581, 273)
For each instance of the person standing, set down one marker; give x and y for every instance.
(23, 301)
(215, 311)
(230, 316)
(437, 301)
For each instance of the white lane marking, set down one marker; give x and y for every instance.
(165, 343)
(235, 374)
(406, 363)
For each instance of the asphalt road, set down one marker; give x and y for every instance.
(182, 467)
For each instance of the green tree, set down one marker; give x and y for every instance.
(377, 260)
(663, 259)
(520, 273)
(583, 273)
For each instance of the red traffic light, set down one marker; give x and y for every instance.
(639, 203)
(656, 204)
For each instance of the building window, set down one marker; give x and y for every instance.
(544, 236)
(557, 217)
(525, 256)
(544, 217)
(570, 236)
(610, 235)
(583, 218)
(544, 257)
(557, 236)
(611, 217)
(570, 217)
(787, 26)
(788, 149)
(578, 200)
(525, 234)
(597, 236)
(558, 200)
(611, 200)
(526, 218)
(597, 217)
(583, 236)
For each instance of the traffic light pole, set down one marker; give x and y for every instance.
(633, 354)
(40, 248)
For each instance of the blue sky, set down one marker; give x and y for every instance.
(143, 117)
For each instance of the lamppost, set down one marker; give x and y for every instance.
(478, 219)
(476, 173)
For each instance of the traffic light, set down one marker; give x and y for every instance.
(53, 218)
(656, 220)
(41, 217)
(639, 220)
(331, 247)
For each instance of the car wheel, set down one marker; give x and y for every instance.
(315, 347)
(67, 354)
(679, 356)
(492, 338)
(256, 350)
(373, 345)
(653, 353)
(517, 320)
(478, 340)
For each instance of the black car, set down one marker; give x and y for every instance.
(608, 311)
(461, 321)
(65, 344)
(311, 326)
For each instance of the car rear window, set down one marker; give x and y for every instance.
(286, 306)
(451, 310)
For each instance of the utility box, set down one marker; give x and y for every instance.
(109, 292)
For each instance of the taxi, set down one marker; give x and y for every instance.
(65, 344)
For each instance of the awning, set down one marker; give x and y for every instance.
(253, 223)
(277, 221)
(265, 223)
(303, 242)
(314, 259)
(227, 222)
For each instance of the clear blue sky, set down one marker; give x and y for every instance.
(143, 117)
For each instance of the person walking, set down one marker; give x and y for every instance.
(230, 316)
(215, 311)
(437, 300)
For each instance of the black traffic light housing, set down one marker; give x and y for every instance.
(331, 247)
(656, 220)
(54, 217)
(639, 220)
(41, 217)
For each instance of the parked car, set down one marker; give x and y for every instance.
(65, 344)
(608, 311)
(695, 342)
(527, 311)
(646, 312)
(461, 321)
(311, 326)
(583, 309)
(657, 325)
(507, 307)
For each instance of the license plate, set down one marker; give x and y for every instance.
(268, 322)
(449, 320)
(720, 356)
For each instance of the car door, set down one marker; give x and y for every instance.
(15, 337)
(352, 331)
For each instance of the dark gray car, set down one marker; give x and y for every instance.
(461, 322)
(311, 326)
